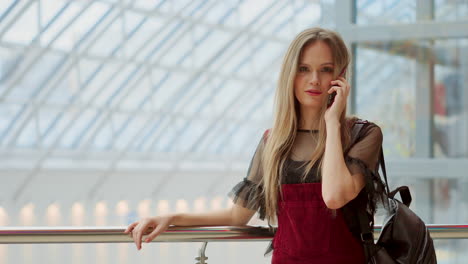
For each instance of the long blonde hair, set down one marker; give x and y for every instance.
(281, 138)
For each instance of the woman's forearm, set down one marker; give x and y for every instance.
(337, 183)
(221, 217)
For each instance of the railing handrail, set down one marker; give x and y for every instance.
(115, 234)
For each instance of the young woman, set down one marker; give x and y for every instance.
(306, 176)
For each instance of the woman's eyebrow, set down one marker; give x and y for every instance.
(326, 63)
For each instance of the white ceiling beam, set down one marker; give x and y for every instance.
(395, 32)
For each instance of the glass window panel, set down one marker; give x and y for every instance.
(186, 7)
(179, 52)
(55, 28)
(385, 93)
(157, 41)
(188, 135)
(130, 132)
(28, 135)
(195, 95)
(9, 62)
(118, 121)
(54, 130)
(64, 91)
(241, 139)
(132, 20)
(225, 95)
(211, 44)
(161, 143)
(142, 36)
(46, 116)
(241, 63)
(7, 113)
(385, 12)
(90, 88)
(218, 12)
(116, 86)
(264, 63)
(448, 10)
(450, 96)
(36, 77)
(83, 24)
(4, 5)
(109, 40)
(277, 18)
(163, 94)
(248, 11)
(103, 138)
(49, 10)
(25, 27)
(172, 90)
(76, 128)
(147, 5)
(138, 94)
(87, 69)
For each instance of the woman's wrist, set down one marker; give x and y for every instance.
(174, 218)
(332, 123)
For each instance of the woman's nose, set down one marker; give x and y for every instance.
(314, 79)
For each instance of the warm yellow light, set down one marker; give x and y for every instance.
(144, 208)
(78, 214)
(100, 213)
(163, 207)
(182, 206)
(53, 214)
(216, 203)
(121, 208)
(199, 205)
(27, 215)
(3, 217)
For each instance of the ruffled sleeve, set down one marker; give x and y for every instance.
(363, 157)
(364, 153)
(248, 193)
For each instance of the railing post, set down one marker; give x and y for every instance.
(201, 254)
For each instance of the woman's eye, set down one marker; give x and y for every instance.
(303, 69)
(327, 69)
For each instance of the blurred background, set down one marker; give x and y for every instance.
(113, 110)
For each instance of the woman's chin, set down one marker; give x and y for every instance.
(311, 105)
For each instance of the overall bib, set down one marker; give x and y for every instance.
(308, 232)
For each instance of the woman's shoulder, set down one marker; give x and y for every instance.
(369, 128)
(353, 120)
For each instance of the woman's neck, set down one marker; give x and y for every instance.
(309, 119)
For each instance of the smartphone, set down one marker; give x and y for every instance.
(331, 97)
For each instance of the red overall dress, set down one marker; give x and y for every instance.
(308, 232)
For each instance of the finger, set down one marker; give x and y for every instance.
(343, 80)
(339, 83)
(154, 234)
(138, 237)
(336, 89)
(135, 235)
(345, 83)
(130, 227)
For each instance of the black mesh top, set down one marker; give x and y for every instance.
(362, 157)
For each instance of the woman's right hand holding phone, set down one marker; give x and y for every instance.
(158, 224)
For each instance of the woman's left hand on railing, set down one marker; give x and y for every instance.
(137, 229)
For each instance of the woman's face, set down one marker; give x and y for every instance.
(314, 75)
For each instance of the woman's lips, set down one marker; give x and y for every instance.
(314, 93)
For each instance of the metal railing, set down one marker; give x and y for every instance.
(205, 234)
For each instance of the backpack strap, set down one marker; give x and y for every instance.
(367, 235)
